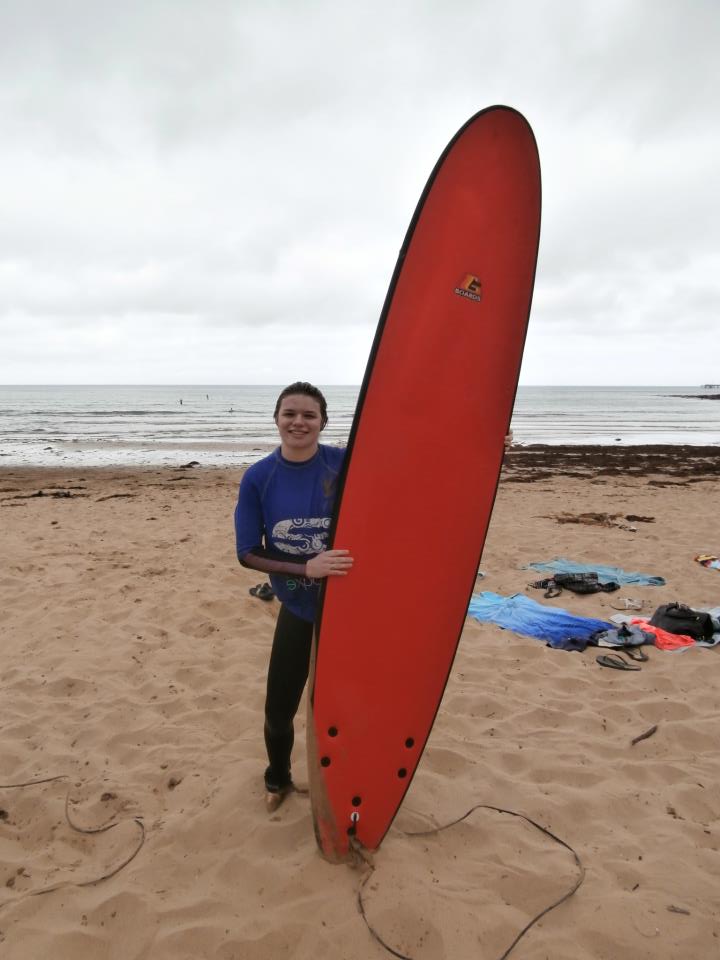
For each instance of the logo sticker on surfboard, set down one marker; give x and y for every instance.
(470, 287)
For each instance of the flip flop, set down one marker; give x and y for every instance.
(627, 603)
(615, 661)
(636, 653)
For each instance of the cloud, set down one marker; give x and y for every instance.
(222, 176)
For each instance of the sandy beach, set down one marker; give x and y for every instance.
(133, 671)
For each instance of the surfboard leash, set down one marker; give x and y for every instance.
(358, 850)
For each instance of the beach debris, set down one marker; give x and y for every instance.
(189, 466)
(603, 520)
(57, 494)
(174, 782)
(668, 483)
(644, 736)
(673, 909)
(115, 496)
(525, 464)
(593, 519)
(528, 477)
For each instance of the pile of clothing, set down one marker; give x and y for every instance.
(676, 625)
(587, 578)
(673, 626)
(667, 629)
(576, 582)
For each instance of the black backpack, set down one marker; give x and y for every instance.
(681, 619)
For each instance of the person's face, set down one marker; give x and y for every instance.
(299, 423)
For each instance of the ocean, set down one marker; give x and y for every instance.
(77, 426)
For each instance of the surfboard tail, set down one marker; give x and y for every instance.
(327, 832)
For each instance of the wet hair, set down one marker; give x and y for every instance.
(308, 390)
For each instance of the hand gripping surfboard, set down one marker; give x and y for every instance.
(424, 458)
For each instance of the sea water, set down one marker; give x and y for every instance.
(233, 425)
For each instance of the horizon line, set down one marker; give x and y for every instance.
(699, 386)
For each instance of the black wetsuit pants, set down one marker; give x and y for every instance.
(287, 675)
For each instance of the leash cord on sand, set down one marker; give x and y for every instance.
(73, 826)
(427, 833)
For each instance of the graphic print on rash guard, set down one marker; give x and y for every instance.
(300, 536)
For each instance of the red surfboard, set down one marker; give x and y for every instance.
(423, 463)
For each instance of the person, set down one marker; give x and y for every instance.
(282, 518)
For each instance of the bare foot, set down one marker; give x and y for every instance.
(275, 798)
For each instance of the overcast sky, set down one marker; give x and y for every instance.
(215, 191)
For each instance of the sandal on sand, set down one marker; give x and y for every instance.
(263, 591)
(627, 603)
(615, 661)
(636, 653)
(549, 585)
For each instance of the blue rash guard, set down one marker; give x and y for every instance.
(283, 515)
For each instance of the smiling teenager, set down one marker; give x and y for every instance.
(282, 520)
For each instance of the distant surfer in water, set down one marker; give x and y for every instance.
(282, 519)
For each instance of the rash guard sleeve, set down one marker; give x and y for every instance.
(260, 559)
(250, 536)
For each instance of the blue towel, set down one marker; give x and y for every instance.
(519, 613)
(605, 573)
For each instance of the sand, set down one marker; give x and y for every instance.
(133, 666)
